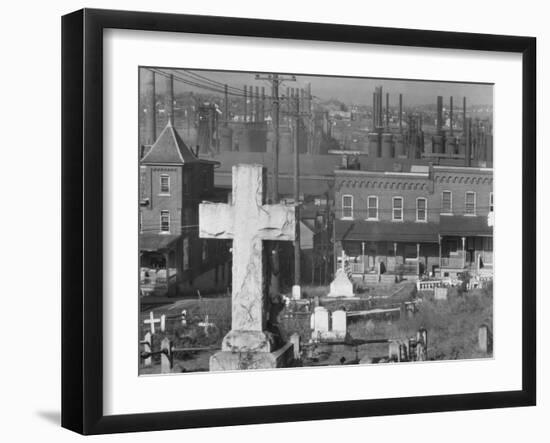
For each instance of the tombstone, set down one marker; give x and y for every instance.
(341, 286)
(440, 293)
(248, 221)
(321, 320)
(147, 340)
(184, 317)
(370, 326)
(296, 292)
(165, 356)
(339, 323)
(295, 340)
(483, 338)
(394, 351)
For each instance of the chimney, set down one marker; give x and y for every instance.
(467, 141)
(150, 99)
(439, 114)
(374, 110)
(387, 109)
(169, 98)
(308, 106)
(400, 112)
(451, 115)
(257, 103)
(245, 112)
(464, 114)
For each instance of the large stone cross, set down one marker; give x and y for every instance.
(247, 221)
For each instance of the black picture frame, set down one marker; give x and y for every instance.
(82, 219)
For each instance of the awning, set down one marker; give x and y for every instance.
(156, 242)
(361, 230)
(465, 226)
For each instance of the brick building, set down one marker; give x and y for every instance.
(173, 181)
(422, 220)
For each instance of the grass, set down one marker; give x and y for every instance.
(452, 325)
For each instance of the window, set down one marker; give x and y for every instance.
(164, 221)
(397, 212)
(421, 209)
(446, 202)
(347, 206)
(165, 184)
(470, 203)
(491, 202)
(372, 208)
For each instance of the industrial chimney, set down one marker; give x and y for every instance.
(150, 109)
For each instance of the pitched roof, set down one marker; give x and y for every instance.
(156, 242)
(386, 231)
(465, 225)
(170, 148)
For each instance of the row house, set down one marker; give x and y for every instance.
(429, 220)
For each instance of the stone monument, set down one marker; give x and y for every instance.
(341, 286)
(248, 221)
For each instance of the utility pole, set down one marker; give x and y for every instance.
(226, 107)
(297, 270)
(275, 80)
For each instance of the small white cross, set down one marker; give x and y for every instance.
(152, 320)
(206, 324)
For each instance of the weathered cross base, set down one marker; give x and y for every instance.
(236, 361)
(245, 341)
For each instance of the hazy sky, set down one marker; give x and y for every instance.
(347, 89)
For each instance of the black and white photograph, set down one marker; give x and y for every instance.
(292, 220)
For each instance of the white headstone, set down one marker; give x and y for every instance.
(440, 293)
(339, 322)
(248, 221)
(341, 286)
(296, 292)
(321, 319)
(482, 338)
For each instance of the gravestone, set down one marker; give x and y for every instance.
(440, 293)
(295, 340)
(339, 324)
(321, 320)
(341, 286)
(248, 221)
(483, 338)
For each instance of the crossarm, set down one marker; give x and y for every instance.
(216, 220)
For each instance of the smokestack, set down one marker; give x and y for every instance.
(226, 105)
(464, 113)
(467, 141)
(245, 113)
(451, 115)
(400, 112)
(169, 98)
(439, 114)
(308, 107)
(387, 109)
(257, 107)
(150, 99)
